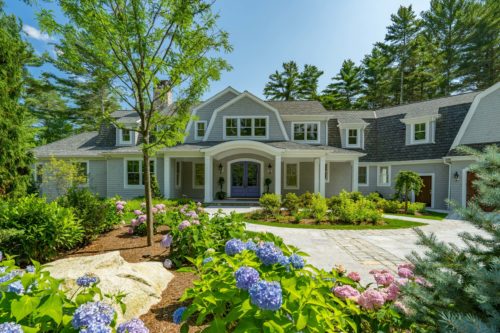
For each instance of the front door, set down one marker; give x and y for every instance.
(471, 190)
(425, 194)
(245, 180)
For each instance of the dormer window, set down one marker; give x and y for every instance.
(420, 132)
(125, 136)
(352, 135)
(246, 127)
(306, 132)
(353, 140)
(200, 127)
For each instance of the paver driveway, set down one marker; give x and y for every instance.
(361, 250)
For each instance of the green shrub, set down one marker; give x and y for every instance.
(356, 196)
(416, 207)
(96, 215)
(47, 228)
(319, 208)
(291, 202)
(306, 199)
(355, 212)
(155, 188)
(271, 203)
(374, 196)
(333, 202)
(390, 206)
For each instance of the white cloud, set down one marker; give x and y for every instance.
(35, 33)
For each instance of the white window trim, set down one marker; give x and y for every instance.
(388, 175)
(367, 175)
(194, 175)
(141, 178)
(88, 171)
(327, 172)
(358, 137)
(412, 133)
(238, 127)
(289, 187)
(120, 137)
(292, 131)
(196, 137)
(35, 172)
(178, 168)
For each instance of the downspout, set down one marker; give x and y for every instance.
(449, 181)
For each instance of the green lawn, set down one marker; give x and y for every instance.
(427, 215)
(390, 224)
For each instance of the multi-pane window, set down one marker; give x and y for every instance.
(199, 175)
(292, 175)
(39, 173)
(135, 171)
(308, 132)
(82, 171)
(384, 176)
(245, 127)
(200, 129)
(352, 137)
(126, 136)
(178, 174)
(419, 132)
(231, 127)
(362, 175)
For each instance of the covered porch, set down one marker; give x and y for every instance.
(244, 170)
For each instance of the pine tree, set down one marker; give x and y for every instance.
(462, 292)
(284, 85)
(308, 82)
(16, 135)
(346, 87)
(400, 36)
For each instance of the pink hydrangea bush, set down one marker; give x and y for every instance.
(120, 206)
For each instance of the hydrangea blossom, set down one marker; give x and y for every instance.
(30, 269)
(246, 277)
(405, 272)
(154, 210)
(3, 269)
(168, 263)
(207, 260)
(407, 265)
(166, 241)
(184, 224)
(284, 261)
(11, 328)
(192, 214)
(86, 280)
(401, 307)
(177, 315)
(132, 326)
(346, 292)
(137, 212)
(384, 279)
(92, 313)
(371, 299)
(16, 287)
(297, 261)
(96, 328)
(250, 245)
(266, 295)
(392, 292)
(354, 276)
(234, 246)
(269, 254)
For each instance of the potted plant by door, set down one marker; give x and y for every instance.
(267, 182)
(221, 195)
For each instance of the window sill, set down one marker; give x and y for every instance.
(134, 187)
(291, 188)
(306, 141)
(363, 185)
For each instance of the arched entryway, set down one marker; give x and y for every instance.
(245, 178)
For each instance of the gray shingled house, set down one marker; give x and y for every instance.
(294, 146)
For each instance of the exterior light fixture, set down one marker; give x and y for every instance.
(269, 168)
(220, 168)
(456, 176)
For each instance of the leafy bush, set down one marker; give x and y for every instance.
(155, 187)
(389, 206)
(319, 208)
(268, 288)
(416, 207)
(291, 202)
(138, 225)
(96, 215)
(33, 301)
(271, 203)
(47, 228)
(374, 196)
(306, 199)
(355, 212)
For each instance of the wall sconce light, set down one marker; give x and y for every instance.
(269, 168)
(220, 168)
(456, 176)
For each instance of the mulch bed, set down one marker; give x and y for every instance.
(134, 249)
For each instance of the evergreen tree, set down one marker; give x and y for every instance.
(401, 35)
(445, 25)
(462, 291)
(16, 135)
(345, 89)
(284, 85)
(308, 82)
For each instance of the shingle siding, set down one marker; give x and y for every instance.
(97, 177)
(485, 123)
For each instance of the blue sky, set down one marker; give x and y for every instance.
(266, 33)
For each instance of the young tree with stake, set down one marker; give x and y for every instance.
(139, 43)
(407, 182)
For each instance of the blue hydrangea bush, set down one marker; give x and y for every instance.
(262, 285)
(32, 301)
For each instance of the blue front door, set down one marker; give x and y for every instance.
(245, 180)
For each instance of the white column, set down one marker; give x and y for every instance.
(208, 178)
(354, 175)
(322, 175)
(316, 175)
(277, 174)
(167, 177)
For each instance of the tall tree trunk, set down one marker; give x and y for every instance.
(401, 84)
(148, 194)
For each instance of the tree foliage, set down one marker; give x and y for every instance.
(406, 183)
(149, 49)
(16, 135)
(345, 89)
(462, 290)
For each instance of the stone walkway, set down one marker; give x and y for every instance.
(361, 250)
